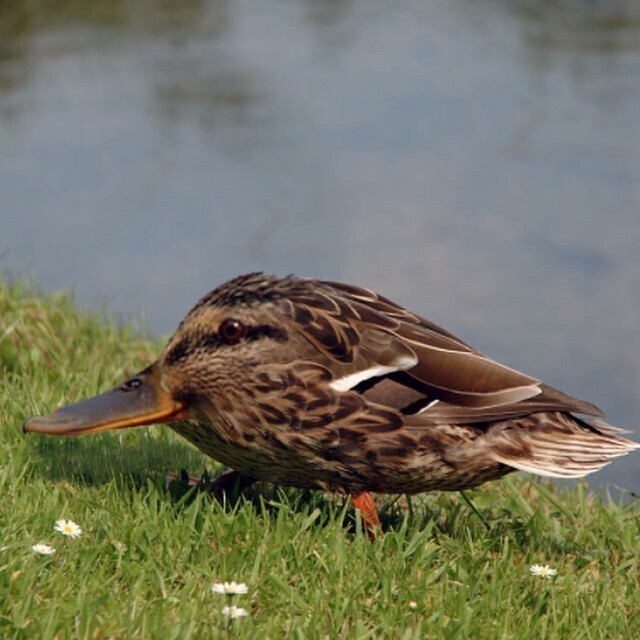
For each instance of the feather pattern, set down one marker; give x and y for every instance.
(366, 395)
(319, 384)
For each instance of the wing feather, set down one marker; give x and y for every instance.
(375, 346)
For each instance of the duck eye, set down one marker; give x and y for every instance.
(231, 330)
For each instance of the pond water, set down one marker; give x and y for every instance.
(478, 162)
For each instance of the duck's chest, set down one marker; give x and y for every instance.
(263, 454)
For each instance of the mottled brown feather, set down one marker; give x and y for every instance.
(325, 385)
(348, 391)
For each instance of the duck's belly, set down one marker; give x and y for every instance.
(264, 461)
(304, 464)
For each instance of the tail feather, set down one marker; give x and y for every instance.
(558, 445)
(601, 426)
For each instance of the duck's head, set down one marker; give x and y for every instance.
(212, 353)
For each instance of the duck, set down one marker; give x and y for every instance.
(322, 385)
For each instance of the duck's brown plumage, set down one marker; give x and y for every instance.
(325, 385)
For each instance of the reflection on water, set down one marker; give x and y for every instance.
(579, 26)
(478, 162)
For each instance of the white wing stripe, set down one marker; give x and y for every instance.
(354, 379)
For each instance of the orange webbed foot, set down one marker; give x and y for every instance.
(365, 504)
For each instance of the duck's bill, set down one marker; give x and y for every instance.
(137, 402)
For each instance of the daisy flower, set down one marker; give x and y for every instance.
(234, 612)
(230, 588)
(542, 570)
(68, 528)
(43, 549)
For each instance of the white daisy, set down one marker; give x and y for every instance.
(68, 528)
(43, 549)
(230, 588)
(233, 612)
(542, 570)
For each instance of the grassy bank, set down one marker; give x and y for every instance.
(148, 555)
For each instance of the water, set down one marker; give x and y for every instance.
(478, 162)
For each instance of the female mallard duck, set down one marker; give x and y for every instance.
(324, 385)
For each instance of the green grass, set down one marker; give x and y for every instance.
(148, 556)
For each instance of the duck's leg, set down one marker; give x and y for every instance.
(229, 480)
(364, 503)
(224, 483)
(182, 477)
